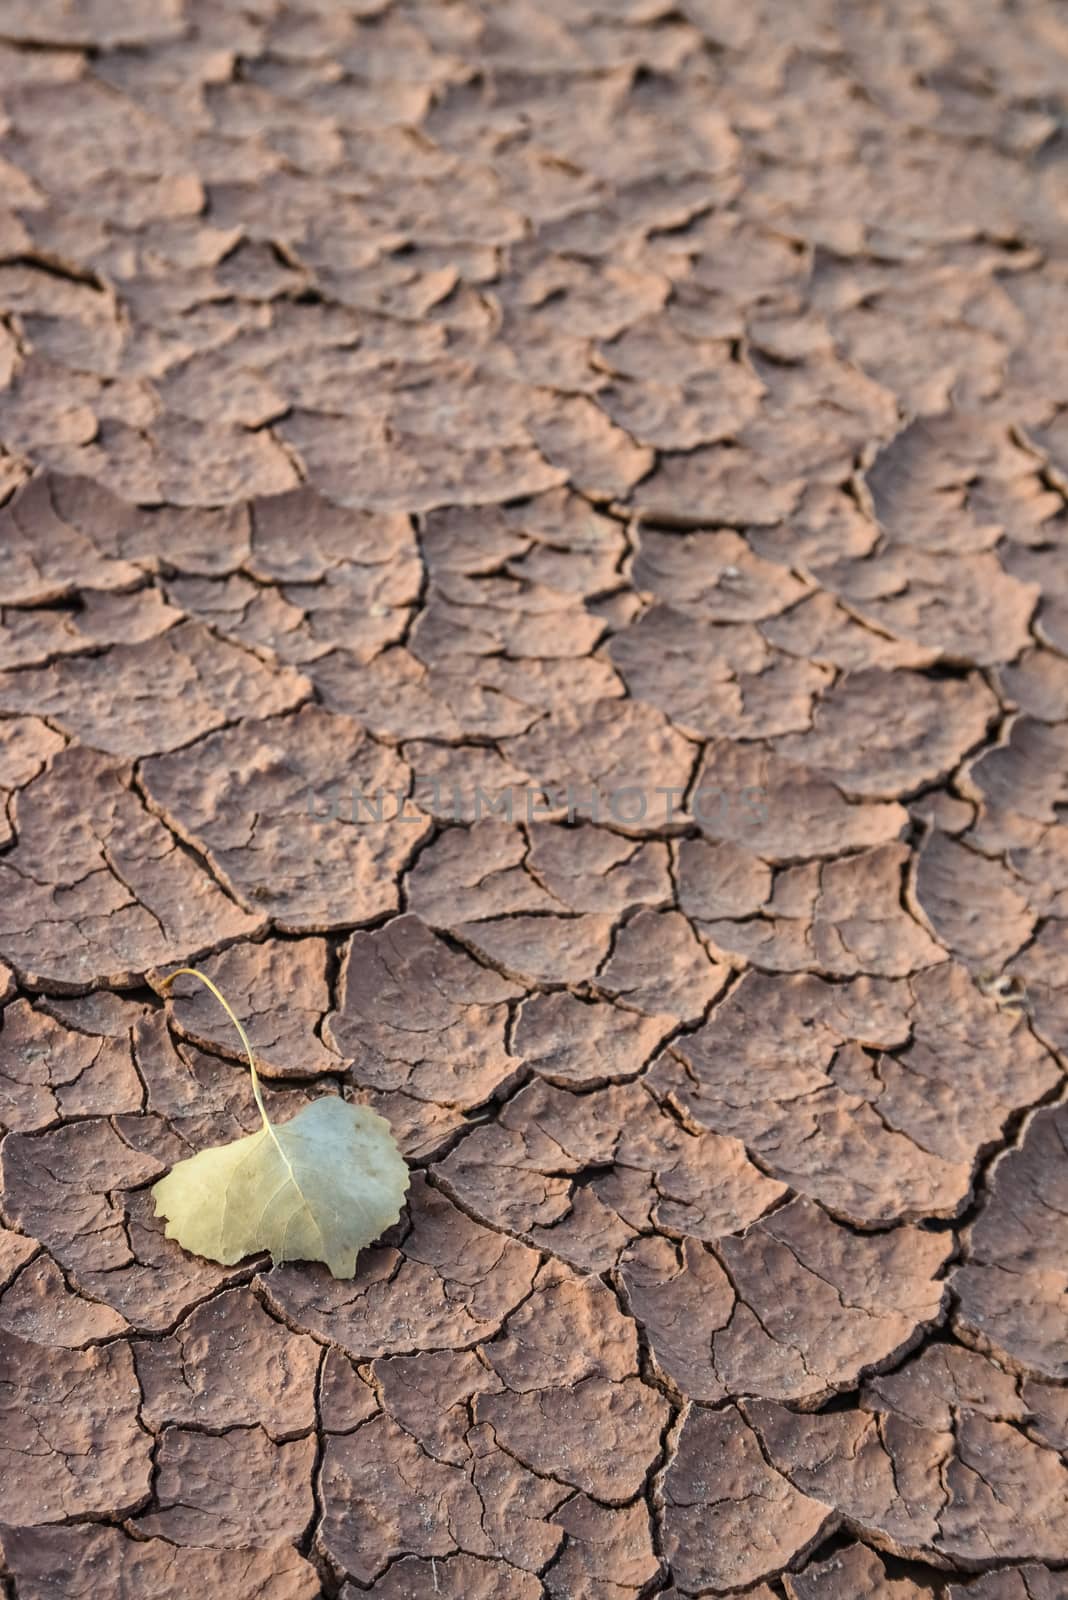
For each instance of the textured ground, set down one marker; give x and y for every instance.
(430, 397)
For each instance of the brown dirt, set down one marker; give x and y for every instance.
(418, 419)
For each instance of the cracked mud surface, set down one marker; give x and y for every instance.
(535, 550)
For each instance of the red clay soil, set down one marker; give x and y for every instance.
(535, 549)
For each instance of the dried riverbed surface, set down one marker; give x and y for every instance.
(535, 549)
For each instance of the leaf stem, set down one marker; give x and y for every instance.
(191, 972)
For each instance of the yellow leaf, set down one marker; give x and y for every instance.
(316, 1188)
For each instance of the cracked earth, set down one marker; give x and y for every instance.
(430, 397)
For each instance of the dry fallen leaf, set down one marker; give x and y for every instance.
(316, 1188)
